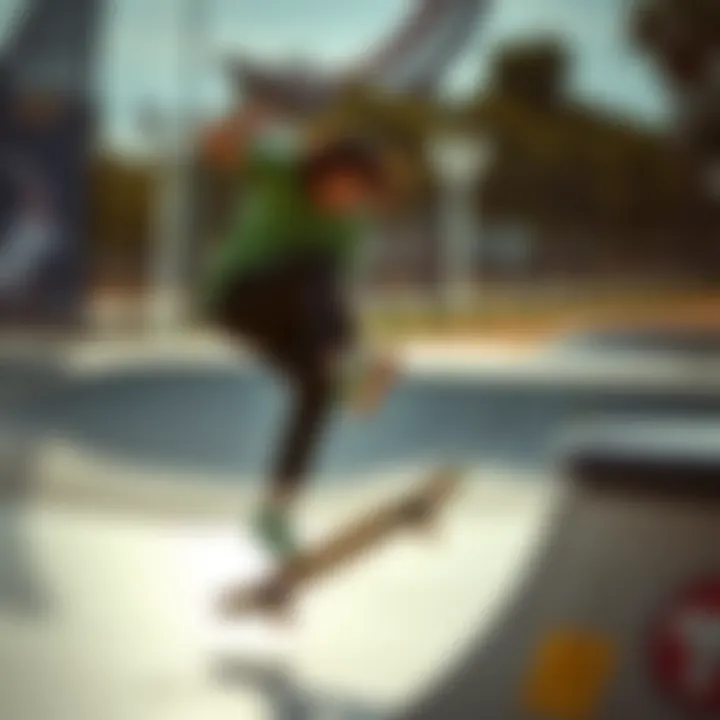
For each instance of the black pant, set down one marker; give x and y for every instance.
(296, 317)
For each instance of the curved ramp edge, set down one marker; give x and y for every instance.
(618, 552)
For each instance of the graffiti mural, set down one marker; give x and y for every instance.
(45, 130)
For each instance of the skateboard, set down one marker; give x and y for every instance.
(416, 509)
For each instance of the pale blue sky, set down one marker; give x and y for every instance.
(141, 52)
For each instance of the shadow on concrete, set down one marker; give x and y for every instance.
(287, 700)
(23, 592)
(25, 376)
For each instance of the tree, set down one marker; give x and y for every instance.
(683, 37)
(532, 71)
(120, 212)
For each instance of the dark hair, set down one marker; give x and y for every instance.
(358, 156)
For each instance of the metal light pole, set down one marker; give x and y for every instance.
(175, 217)
(459, 162)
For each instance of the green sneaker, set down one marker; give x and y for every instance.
(273, 528)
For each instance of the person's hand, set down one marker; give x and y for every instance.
(379, 377)
(223, 143)
(219, 145)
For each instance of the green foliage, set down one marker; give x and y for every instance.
(556, 164)
(683, 37)
(659, 25)
(535, 71)
(571, 173)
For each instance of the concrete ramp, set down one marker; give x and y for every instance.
(593, 598)
(597, 628)
(122, 626)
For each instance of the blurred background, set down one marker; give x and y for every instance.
(595, 188)
(562, 194)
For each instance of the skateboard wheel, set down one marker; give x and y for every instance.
(416, 512)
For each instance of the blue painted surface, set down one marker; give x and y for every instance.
(220, 421)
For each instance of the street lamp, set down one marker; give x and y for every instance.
(167, 241)
(173, 140)
(460, 162)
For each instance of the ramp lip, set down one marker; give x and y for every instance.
(689, 438)
(657, 459)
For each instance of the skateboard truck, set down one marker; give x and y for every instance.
(420, 510)
(417, 512)
(271, 596)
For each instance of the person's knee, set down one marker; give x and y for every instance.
(321, 376)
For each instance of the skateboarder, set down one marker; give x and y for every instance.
(278, 281)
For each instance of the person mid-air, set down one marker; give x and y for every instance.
(279, 282)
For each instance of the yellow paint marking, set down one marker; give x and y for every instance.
(568, 675)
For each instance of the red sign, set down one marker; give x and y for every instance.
(685, 646)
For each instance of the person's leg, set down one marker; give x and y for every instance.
(313, 385)
(309, 354)
(366, 375)
(307, 335)
(253, 314)
(247, 314)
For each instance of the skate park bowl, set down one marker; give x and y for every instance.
(142, 472)
(679, 342)
(603, 625)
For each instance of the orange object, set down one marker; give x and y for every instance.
(569, 675)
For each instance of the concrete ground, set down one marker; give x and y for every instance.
(109, 615)
(128, 471)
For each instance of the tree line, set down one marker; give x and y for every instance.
(595, 190)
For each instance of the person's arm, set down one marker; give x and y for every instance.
(251, 133)
(227, 144)
(224, 144)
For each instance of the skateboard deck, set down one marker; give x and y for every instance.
(416, 509)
